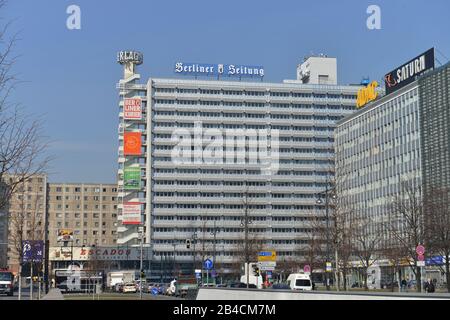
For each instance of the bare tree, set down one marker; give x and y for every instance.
(314, 247)
(407, 224)
(437, 213)
(251, 243)
(22, 143)
(366, 244)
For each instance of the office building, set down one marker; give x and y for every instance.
(177, 198)
(399, 139)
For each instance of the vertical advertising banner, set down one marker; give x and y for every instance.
(33, 251)
(132, 179)
(131, 213)
(132, 109)
(132, 143)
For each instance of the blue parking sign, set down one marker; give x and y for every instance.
(155, 291)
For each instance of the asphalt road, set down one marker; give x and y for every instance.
(118, 296)
(25, 295)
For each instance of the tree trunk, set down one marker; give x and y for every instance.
(447, 272)
(365, 275)
(418, 280)
(344, 275)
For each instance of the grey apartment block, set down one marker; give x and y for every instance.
(183, 199)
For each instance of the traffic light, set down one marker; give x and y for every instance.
(142, 274)
(188, 243)
(256, 271)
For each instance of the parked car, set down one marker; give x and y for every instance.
(118, 287)
(129, 287)
(281, 286)
(242, 285)
(7, 282)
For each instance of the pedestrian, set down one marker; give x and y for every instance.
(429, 286)
(404, 285)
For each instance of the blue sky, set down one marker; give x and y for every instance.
(70, 75)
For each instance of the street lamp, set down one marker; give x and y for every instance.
(319, 201)
(194, 241)
(141, 237)
(214, 233)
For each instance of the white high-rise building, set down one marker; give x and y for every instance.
(184, 196)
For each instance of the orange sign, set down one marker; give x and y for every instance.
(132, 143)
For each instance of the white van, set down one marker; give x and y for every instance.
(300, 281)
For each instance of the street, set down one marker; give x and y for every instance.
(25, 295)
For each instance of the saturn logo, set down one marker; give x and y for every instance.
(389, 81)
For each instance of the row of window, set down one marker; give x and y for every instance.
(237, 218)
(232, 206)
(288, 105)
(232, 195)
(77, 215)
(234, 230)
(284, 139)
(78, 189)
(247, 115)
(85, 198)
(78, 207)
(238, 172)
(237, 183)
(255, 93)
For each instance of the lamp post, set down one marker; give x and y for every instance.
(141, 237)
(245, 222)
(214, 233)
(319, 201)
(194, 241)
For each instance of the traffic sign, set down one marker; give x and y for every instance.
(420, 250)
(267, 268)
(155, 291)
(198, 275)
(307, 269)
(267, 256)
(434, 261)
(421, 257)
(421, 263)
(267, 265)
(328, 267)
(208, 264)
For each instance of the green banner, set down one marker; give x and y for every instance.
(132, 179)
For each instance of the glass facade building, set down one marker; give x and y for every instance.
(401, 137)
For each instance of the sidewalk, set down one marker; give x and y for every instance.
(54, 294)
